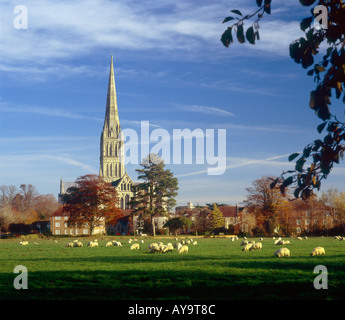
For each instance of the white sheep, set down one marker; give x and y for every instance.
(117, 244)
(153, 244)
(177, 245)
(282, 252)
(109, 244)
(195, 243)
(155, 248)
(92, 244)
(24, 243)
(183, 249)
(257, 246)
(278, 241)
(135, 246)
(247, 247)
(70, 244)
(77, 244)
(167, 248)
(299, 238)
(317, 251)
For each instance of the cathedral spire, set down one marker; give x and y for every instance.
(111, 146)
(111, 114)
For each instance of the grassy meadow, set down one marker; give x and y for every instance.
(214, 269)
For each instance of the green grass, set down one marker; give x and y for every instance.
(214, 269)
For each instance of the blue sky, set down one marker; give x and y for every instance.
(171, 70)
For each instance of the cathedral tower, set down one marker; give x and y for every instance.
(112, 167)
(111, 146)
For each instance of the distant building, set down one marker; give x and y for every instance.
(311, 216)
(235, 216)
(59, 226)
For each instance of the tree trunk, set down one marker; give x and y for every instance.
(153, 226)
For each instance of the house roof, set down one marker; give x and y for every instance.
(230, 211)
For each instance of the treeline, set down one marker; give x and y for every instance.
(24, 205)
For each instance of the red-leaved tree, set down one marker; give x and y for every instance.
(91, 201)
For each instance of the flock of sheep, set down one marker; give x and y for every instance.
(281, 252)
(182, 246)
(155, 247)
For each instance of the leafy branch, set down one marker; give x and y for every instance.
(323, 153)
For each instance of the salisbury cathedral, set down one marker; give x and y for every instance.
(112, 167)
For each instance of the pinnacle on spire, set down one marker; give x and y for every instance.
(111, 109)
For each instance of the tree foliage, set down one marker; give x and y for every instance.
(91, 201)
(329, 75)
(24, 205)
(265, 203)
(217, 220)
(177, 223)
(155, 195)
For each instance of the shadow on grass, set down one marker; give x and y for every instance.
(169, 285)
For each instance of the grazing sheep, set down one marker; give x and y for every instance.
(109, 244)
(77, 244)
(317, 251)
(247, 247)
(261, 239)
(69, 244)
(117, 244)
(183, 249)
(167, 248)
(153, 244)
(195, 243)
(306, 237)
(92, 244)
(299, 238)
(155, 248)
(36, 243)
(285, 242)
(24, 243)
(257, 246)
(183, 242)
(282, 252)
(177, 245)
(135, 246)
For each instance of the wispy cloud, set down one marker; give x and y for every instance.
(62, 31)
(39, 158)
(53, 112)
(206, 110)
(243, 162)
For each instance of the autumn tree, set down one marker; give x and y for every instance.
(316, 161)
(45, 205)
(155, 194)
(202, 221)
(91, 201)
(216, 218)
(335, 199)
(265, 203)
(177, 223)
